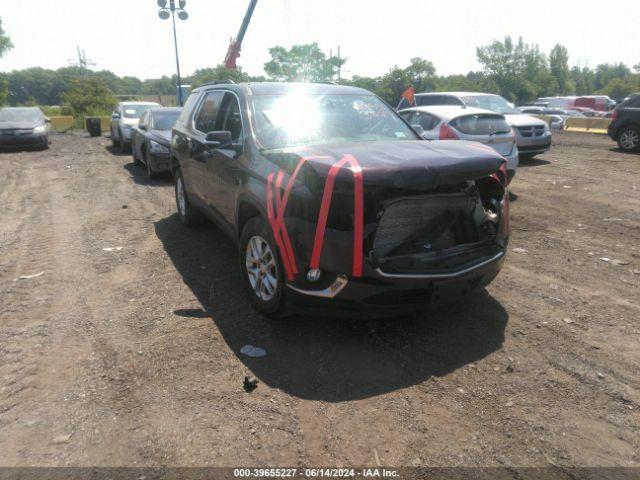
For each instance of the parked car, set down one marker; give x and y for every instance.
(335, 201)
(123, 118)
(151, 139)
(467, 123)
(625, 124)
(23, 127)
(533, 135)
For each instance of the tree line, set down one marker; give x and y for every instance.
(518, 71)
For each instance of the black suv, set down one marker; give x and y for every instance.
(335, 201)
(625, 124)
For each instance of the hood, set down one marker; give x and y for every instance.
(522, 120)
(410, 165)
(20, 125)
(163, 137)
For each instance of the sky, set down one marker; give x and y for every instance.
(128, 38)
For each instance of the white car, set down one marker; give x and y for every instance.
(123, 118)
(452, 122)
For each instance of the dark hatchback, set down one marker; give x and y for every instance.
(335, 201)
(625, 124)
(151, 139)
(23, 127)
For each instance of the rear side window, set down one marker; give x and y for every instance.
(206, 117)
(483, 124)
(426, 121)
(230, 117)
(634, 102)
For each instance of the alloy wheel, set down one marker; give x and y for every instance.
(261, 268)
(630, 139)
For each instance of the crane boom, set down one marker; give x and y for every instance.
(236, 44)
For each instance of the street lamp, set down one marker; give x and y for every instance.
(164, 13)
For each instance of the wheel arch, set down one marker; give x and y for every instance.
(248, 208)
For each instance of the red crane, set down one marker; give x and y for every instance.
(236, 43)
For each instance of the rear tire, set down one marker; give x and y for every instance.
(629, 139)
(189, 216)
(261, 268)
(136, 160)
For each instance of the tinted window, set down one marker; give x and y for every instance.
(143, 119)
(230, 118)
(437, 100)
(634, 102)
(205, 120)
(481, 125)
(308, 119)
(164, 120)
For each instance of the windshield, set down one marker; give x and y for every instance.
(298, 119)
(20, 115)
(164, 120)
(135, 111)
(494, 103)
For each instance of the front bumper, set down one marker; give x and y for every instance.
(381, 295)
(534, 145)
(160, 162)
(28, 140)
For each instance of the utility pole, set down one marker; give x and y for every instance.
(164, 13)
(339, 66)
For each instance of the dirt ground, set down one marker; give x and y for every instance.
(131, 357)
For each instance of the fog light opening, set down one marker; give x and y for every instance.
(314, 274)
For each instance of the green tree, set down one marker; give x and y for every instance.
(5, 46)
(559, 65)
(519, 70)
(204, 75)
(89, 97)
(302, 63)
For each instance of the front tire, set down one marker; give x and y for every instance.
(629, 139)
(114, 142)
(189, 216)
(151, 175)
(261, 268)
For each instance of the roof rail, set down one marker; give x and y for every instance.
(217, 82)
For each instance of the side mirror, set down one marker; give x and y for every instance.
(142, 127)
(218, 139)
(115, 116)
(47, 119)
(418, 128)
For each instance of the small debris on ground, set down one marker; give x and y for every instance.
(605, 259)
(520, 250)
(251, 351)
(61, 439)
(620, 262)
(250, 384)
(112, 249)
(567, 320)
(29, 277)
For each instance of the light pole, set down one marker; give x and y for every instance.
(164, 13)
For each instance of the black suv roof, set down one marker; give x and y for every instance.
(280, 88)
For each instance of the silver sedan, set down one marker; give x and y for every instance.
(453, 122)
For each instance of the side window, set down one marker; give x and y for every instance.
(409, 117)
(426, 121)
(205, 120)
(143, 119)
(230, 116)
(635, 102)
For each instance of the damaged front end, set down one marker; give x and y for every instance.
(430, 226)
